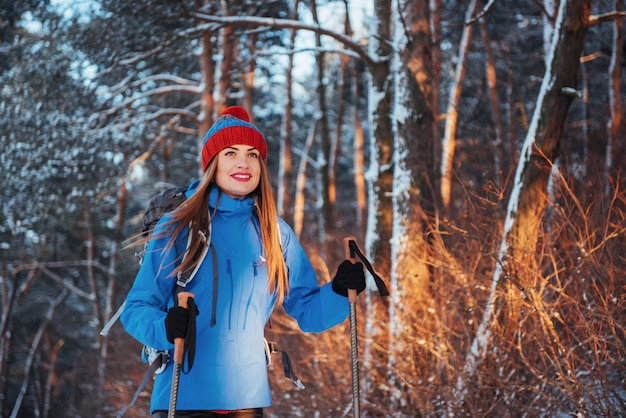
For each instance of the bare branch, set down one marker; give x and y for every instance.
(320, 50)
(62, 264)
(173, 112)
(153, 92)
(138, 57)
(482, 13)
(542, 6)
(605, 17)
(124, 84)
(67, 284)
(33, 350)
(254, 21)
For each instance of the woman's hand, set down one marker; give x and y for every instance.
(349, 276)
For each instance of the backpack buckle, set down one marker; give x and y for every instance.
(157, 359)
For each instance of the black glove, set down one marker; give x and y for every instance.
(177, 323)
(349, 276)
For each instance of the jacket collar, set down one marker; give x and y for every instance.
(228, 206)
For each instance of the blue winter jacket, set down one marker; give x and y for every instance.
(230, 368)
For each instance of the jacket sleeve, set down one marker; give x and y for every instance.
(151, 295)
(316, 308)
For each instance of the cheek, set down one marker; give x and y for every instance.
(220, 176)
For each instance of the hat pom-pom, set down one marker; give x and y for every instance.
(238, 112)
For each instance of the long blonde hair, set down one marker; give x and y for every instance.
(195, 214)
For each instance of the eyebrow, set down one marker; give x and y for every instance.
(237, 149)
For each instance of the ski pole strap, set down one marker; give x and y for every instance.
(288, 370)
(190, 338)
(287, 366)
(356, 251)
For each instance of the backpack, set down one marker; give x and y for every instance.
(160, 204)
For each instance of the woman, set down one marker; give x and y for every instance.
(254, 262)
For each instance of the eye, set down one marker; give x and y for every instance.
(254, 155)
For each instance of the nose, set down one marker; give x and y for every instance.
(242, 161)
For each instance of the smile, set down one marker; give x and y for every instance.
(241, 176)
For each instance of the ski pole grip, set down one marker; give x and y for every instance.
(350, 255)
(179, 343)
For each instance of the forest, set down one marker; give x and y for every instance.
(473, 149)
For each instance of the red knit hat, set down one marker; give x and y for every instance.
(232, 127)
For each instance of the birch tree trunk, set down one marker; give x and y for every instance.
(516, 259)
(283, 195)
(452, 114)
(414, 175)
(414, 147)
(613, 154)
(380, 181)
(325, 220)
(301, 177)
(336, 143)
(380, 187)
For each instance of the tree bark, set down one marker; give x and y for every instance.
(614, 154)
(414, 175)
(336, 143)
(380, 218)
(452, 114)
(325, 209)
(298, 210)
(359, 160)
(229, 51)
(490, 73)
(283, 195)
(515, 262)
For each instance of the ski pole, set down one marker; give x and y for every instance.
(179, 354)
(354, 355)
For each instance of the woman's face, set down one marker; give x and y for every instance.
(238, 170)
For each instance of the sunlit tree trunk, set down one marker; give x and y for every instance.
(541, 148)
(207, 99)
(301, 179)
(380, 182)
(515, 266)
(437, 60)
(229, 50)
(490, 73)
(414, 174)
(359, 160)
(452, 114)
(414, 148)
(341, 105)
(380, 94)
(247, 101)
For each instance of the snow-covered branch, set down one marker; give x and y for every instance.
(153, 92)
(138, 57)
(605, 17)
(254, 21)
(156, 77)
(172, 111)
